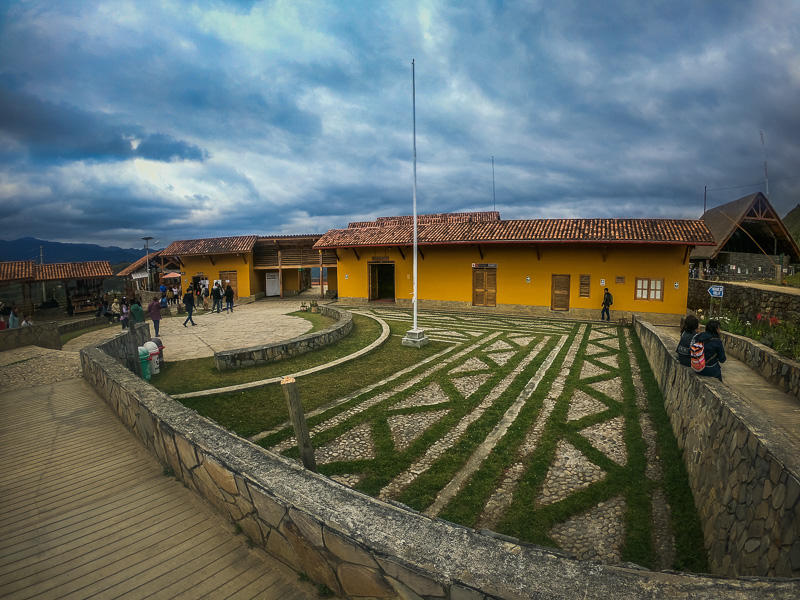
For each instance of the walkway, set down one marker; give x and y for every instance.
(85, 511)
(780, 408)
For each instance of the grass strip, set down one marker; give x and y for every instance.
(184, 376)
(66, 337)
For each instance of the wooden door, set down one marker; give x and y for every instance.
(484, 286)
(560, 297)
(229, 279)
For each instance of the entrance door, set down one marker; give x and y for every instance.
(273, 285)
(560, 298)
(381, 282)
(484, 286)
(229, 279)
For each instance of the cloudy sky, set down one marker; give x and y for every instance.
(179, 120)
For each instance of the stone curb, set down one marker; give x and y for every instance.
(261, 383)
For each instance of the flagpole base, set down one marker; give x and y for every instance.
(415, 338)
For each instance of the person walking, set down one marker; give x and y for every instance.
(608, 300)
(154, 309)
(229, 298)
(188, 302)
(713, 350)
(216, 296)
(137, 314)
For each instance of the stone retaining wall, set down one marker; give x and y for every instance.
(745, 300)
(259, 355)
(120, 347)
(82, 324)
(745, 475)
(361, 547)
(44, 335)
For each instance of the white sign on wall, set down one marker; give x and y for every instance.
(602, 283)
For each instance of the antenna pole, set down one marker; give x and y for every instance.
(705, 194)
(494, 196)
(414, 337)
(764, 150)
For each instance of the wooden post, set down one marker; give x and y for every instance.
(321, 278)
(289, 386)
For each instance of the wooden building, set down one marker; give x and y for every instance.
(751, 241)
(141, 276)
(556, 267)
(285, 263)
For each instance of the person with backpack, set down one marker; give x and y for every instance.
(690, 328)
(707, 351)
(608, 300)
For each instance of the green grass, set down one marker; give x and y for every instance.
(74, 334)
(255, 410)
(184, 376)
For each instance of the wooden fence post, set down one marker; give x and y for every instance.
(289, 386)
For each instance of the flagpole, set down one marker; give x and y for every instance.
(414, 337)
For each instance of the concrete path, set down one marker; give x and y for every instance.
(85, 512)
(780, 408)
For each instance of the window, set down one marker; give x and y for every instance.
(585, 281)
(650, 289)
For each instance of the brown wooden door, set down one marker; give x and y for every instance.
(229, 278)
(560, 297)
(484, 287)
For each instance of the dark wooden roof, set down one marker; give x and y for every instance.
(487, 228)
(753, 214)
(222, 245)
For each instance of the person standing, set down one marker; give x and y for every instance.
(608, 300)
(216, 296)
(162, 288)
(13, 317)
(137, 314)
(124, 313)
(188, 302)
(229, 298)
(154, 309)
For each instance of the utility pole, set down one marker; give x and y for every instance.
(147, 239)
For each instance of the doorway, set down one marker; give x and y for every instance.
(560, 296)
(229, 279)
(273, 284)
(381, 282)
(484, 286)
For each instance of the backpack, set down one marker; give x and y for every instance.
(697, 353)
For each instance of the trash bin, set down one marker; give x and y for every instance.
(144, 358)
(157, 342)
(153, 350)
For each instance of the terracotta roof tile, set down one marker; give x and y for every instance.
(223, 245)
(441, 229)
(62, 271)
(139, 264)
(16, 270)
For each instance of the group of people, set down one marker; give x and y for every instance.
(217, 294)
(13, 318)
(701, 349)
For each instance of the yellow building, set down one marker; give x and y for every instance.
(555, 267)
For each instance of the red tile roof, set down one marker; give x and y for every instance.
(62, 271)
(441, 229)
(223, 245)
(16, 270)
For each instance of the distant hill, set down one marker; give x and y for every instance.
(792, 222)
(27, 248)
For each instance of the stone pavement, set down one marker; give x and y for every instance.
(85, 512)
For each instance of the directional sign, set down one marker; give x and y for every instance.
(715, 291)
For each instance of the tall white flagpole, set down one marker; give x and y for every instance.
(415, 336)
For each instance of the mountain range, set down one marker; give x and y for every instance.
(27, 248)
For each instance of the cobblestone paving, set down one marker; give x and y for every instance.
(538, 408)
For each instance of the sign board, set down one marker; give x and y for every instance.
(602, 283)
(715, 291)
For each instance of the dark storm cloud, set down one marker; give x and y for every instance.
(51, 132)
(228, 117)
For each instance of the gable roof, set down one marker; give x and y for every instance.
(488, 228)
(16, 270)
(27, 270)
(221, 245)
(753, 213)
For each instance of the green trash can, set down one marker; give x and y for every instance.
(144, 359)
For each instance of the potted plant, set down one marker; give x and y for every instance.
(303, 307)
(314, 306)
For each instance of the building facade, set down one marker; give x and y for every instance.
(548, 267)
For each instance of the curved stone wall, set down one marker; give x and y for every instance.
(743, 473)
(361, 547)
(259, 355)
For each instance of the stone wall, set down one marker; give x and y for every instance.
(44, 335)
(259, 355)
(361, 547)
(746, 300)
(745, 475)
(121, 347)
(71, 326)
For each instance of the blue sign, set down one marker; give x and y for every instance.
(716, 291)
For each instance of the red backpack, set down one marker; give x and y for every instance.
(697, 354)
